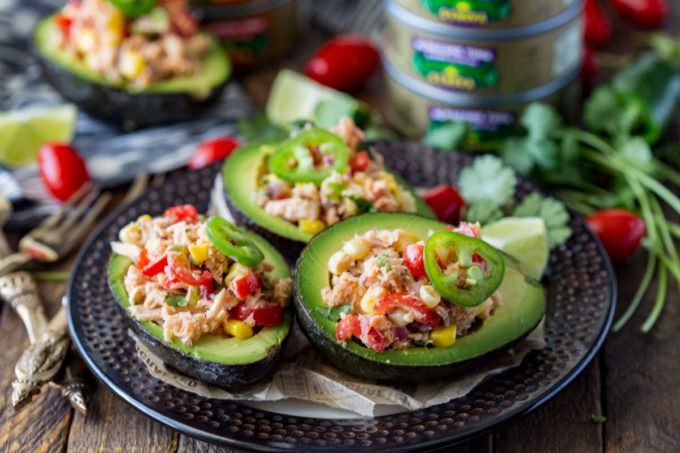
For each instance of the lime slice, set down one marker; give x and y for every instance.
(525, 238)
(296, 97)
(23, 132)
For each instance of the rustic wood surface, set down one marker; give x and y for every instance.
(634, 381)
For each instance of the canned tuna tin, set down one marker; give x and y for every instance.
(413, 109)
(252, 31)
(487, 13)
(483, 62)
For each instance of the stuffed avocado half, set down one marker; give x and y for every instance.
(291, 190)
(206, 297)
(401, 297)
(134, 70)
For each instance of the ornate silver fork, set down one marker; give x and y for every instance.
(58, 235)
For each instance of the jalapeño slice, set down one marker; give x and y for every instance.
(463, 269)
(310, 156)
(134, 8)
(232, 242)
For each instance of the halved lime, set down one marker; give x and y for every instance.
(525, 238)
(296, 97)
(23, 132)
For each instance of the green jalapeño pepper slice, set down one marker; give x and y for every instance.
(232, 242)
(134, 8)
(464, 270)
(310, 156)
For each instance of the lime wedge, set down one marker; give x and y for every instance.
(23, 132)
(524, 238)
(296, 97)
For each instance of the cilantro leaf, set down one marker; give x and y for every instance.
(540, 121)
(553, 213)
(177, 301)
(603, 112)
(363, 205)
(487, 180)
(258, 127)
(447, 136)
(637, 152)
(516, 156)
(483, 212)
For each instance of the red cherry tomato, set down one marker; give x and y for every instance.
(62, 170)
(375, 340)
(151, 268)
(268, 316)
(413, 258)
(185, 212)
(645, 13)
(345, 63)
(598, 28)
(245, 286)
(347, 327)
(619, 230)
(180, 269)
(360, 161)
(411, 303)
(211, 151)
(446, 203)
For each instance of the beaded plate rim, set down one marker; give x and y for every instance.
(455, 437)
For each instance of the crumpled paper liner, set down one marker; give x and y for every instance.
(305, 375)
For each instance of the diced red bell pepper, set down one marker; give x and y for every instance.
(151, 268)
(245, 286)
(413, 258)
(185, 212)
(347, 327)
(267, 316)
(359, 161)
(180, 269)
(407, 302)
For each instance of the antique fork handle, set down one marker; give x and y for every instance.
(13, 262)
(20, 291)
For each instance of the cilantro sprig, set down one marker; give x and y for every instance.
(487, 180)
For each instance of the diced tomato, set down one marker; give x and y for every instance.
(64, 22)
(468, 229)
(151, 268)
(245, 286)
(375, 340)
(185, 212)
(267, 316)
(413, 258)
(347, 327)
(180, 269)
(213, 150)
(407, 302)
(360, 161)
(446, 203)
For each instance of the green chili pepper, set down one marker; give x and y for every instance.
(232, 242)
(134, 8)
(464, 270)
(294, 160)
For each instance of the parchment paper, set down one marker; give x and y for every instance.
(305, 375)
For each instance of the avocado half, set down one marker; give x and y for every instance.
(241, 173)
(226, 362)
(522, 308)
(167, 101)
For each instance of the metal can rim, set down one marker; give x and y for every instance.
(217, 12)
(414, 21)
(435, 94)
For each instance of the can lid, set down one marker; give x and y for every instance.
(412, 20)
(432, 93)
(235, 10)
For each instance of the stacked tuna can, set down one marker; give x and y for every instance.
(252, 31)
(480, 62)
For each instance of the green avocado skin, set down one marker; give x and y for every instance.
(114, 104)
(211, 361)
(240, 174)
(522, 308)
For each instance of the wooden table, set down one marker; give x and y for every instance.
(634, 382)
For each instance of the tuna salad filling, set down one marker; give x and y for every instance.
(137, 47)
(320, 177)
(195, 277)
(379, 283)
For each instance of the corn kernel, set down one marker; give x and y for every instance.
(131, 64)
(339, 262)
(443, 337)
(369, 299)
(238, 329)
(199, 253)
(312, 226)
(144, 218)
(429, 296)
(391, 183)
(237, 270)
(86, 40)
(115, 22)
(357, 248)
(405, 239)
(130, 233)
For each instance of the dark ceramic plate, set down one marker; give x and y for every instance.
(581, 294)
